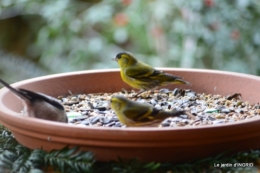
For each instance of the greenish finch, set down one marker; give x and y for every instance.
(134, 114)
(142, 76)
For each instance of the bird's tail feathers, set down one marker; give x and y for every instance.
(181, 81)
(175, 79)
(17, 92)
(176, 113)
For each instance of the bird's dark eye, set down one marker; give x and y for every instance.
(118, 56)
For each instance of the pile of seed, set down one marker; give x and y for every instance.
(93, 109)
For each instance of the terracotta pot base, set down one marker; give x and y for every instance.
(148, 144)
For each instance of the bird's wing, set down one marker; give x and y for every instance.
(138, 112)
(140, 70)
(32, 96)
(157, 73)
(166, 77)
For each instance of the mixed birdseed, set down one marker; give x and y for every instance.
(93, 109)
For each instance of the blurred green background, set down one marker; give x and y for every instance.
(40, 37)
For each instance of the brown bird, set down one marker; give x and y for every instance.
(39, 105)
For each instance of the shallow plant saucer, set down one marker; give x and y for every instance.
(148, 143)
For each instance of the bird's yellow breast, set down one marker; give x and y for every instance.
(130, 81)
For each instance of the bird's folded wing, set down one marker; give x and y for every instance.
(136, 114)
(138, 72)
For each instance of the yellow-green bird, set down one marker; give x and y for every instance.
(142, 76)
(134, 114)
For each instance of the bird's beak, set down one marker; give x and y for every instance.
(108, 106)
(114, 59)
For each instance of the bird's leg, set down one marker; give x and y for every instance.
(190, 115)
(139, 93)
(148, 91)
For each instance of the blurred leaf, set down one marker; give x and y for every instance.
(64, 35)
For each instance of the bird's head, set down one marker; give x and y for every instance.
(125, 59)
(117, 103)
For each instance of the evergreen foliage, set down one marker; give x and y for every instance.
(15, 158)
